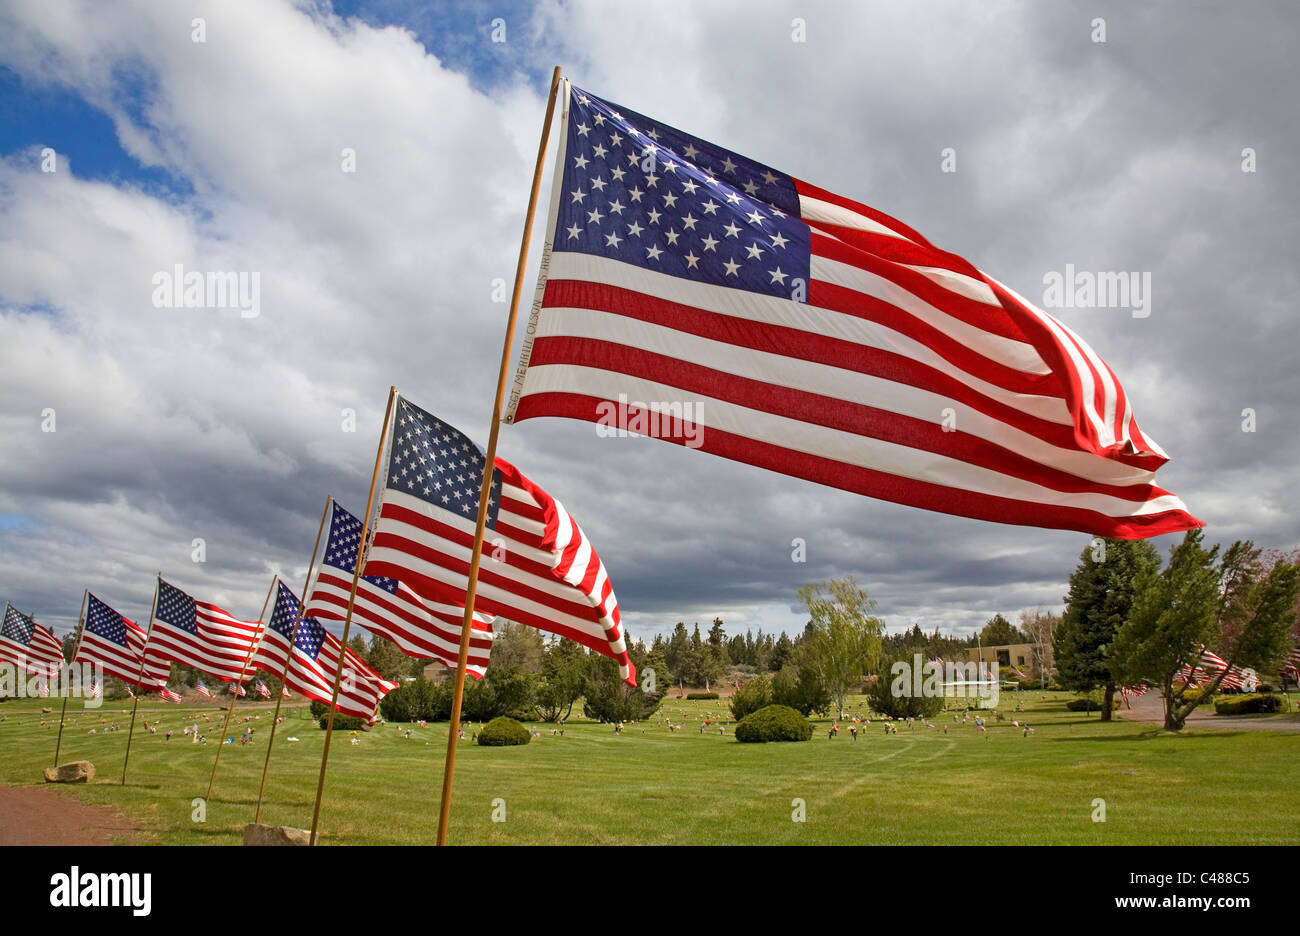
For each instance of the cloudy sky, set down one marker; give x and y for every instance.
(1128, 154)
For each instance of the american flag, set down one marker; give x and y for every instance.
(28, 645)
(199, 634)
(769, 321)
(538, 568)
(264, 692)
(315, 661)
(203, 690)
(419, 626)
(1292, 666)
(237, 690)
(117, 644)
(168, 696)
(94, 688)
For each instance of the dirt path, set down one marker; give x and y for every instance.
(37, 815)
(1151, 708)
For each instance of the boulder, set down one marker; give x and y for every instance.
(79, 771)
(257, 834)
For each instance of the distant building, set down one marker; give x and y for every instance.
(1019, 655)
(437, 673)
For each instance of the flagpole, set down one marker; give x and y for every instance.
(489, 463)
(347, 621)
(288, 657)
(234, 698)
(81, 622)
(153, 609)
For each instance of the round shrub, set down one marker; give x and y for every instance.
(502, 731)
(1194, 694)
(701, 695)
(1249, 704)
(752, 696)
(1090, 705)
(773, 723)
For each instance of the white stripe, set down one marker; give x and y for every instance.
(814, 209)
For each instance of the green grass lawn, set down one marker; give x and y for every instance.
(653, 786)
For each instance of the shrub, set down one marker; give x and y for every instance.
(880, 694)
(1090, 705)
(799, 688)
(701, 695)
(1193, 694)
(1250, 704)
(773, 723)
(752, 696)
(502, 731)
(418, 700)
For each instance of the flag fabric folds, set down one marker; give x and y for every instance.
(314, 658)
(29, 646)
(420, 626)
(117, 644)
(199, 634)
(690, 293)
(537, 568)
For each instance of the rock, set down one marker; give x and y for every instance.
(80, 771)
(258, 834)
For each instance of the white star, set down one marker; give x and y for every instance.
(579, 195)
(710, 207)
(635, 194)
(616, 207)
(633, 159)
(615, 139)
(750, 187)
(672, 237)
(594, 216)
(598, 119)
(779, 239)
(731, 197)
(728, 166)
(599, 152)
(777, 276)
(732, 266)
(754, 217)
(574, 232)
(689, 187)
(652, 134)
(709, 242)
(612, 240)
(754, 251)
(768, 177)
(652, 253)
(691, 152)
(691, 261)
(580, 162)
(670, 166)
(654, 216)
(732, 230)
(617, 174)
(689, 221)
(583, 130)
(651, 180)
(670, 200)
(778, 212)
(598, 184)
(634, 229)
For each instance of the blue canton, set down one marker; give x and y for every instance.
(103, 621)
(438, 464)
(645, 193)
(176, 608)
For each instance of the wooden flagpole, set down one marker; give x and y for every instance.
(153, 609)
(288, 657)
(234, 698)
(81, 622)
(347, 621)
(489, 463)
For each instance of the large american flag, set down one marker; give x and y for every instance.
(27, 645)
(199, 634)
(421, 627)
(117, 644)
(315, 660)
(537, 569)
(787, 327)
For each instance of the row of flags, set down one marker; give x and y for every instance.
(540, 570)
